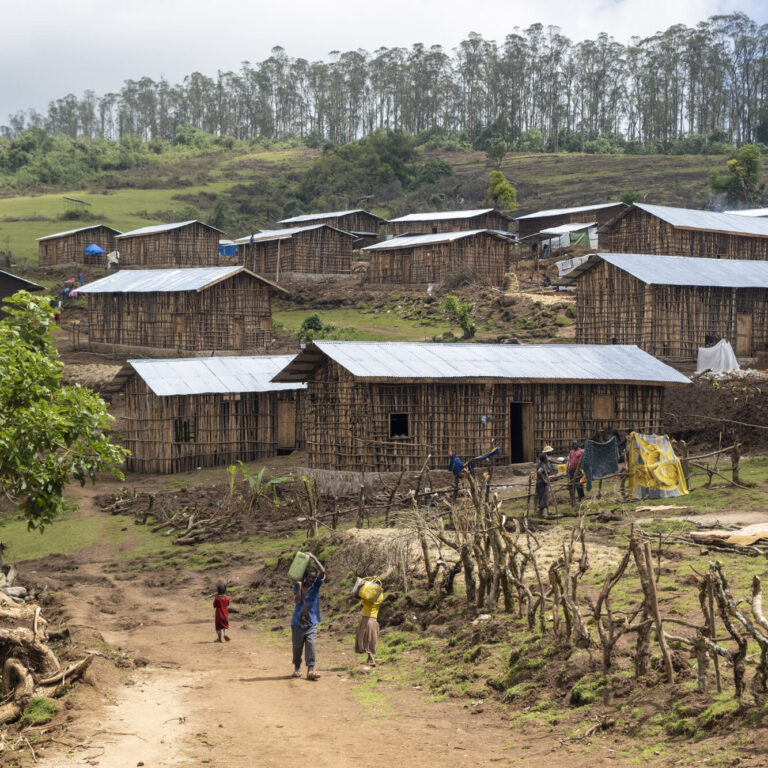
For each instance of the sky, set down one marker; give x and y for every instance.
(49, 48)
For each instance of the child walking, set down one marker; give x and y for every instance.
(221, 617)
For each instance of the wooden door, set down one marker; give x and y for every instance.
(286, 425)
(743, 334)
(238, 332)
(179, 328)
(521, 433)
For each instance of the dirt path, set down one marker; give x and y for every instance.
(196, 702)
(235, 704)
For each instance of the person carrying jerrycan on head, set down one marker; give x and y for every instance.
(306, 617)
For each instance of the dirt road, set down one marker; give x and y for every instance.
(235, 704)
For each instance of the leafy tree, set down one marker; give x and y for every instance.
(741, 184)
(310, 327)
(495, 152)
(49, 433)
(461, 312)
(629, 196)
(500, 192)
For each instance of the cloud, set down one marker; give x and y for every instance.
(53, 48)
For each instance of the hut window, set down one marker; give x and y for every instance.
(184, 430)
(434, 230)
(265, 323)
(603, 407)
(398, 425)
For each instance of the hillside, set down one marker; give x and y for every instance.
(254, 188)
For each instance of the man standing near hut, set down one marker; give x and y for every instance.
(574, 471)
(542, 485)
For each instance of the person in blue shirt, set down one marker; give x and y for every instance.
(306, 617)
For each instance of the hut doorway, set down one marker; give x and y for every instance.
(520, 432)
(743, 334)
(286, 426)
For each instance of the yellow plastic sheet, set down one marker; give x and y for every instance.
(654, 470)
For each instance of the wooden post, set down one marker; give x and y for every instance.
(656, 614)
(528, 502)
(277, 265)
(735, 456)
(361, 507)
(685, 464)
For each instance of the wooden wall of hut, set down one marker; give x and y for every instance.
(360, 221)
(70, 249)
(668, 321)
(638, 231)
(195, 245)
(350, 423)
(184, 432)
(321, 251)
(492, 220)
(483, 255)
(526, 227)
(234, 315)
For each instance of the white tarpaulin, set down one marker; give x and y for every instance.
(718, 359)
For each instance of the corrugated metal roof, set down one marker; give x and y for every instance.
(31, 286)
(165, 280)
(284, 234)
(564, 228)
(412, 241)
(688, 218)
(513, 362)
(759, 212)
(73, 231)
(201, 375)
(332, 214)
(563, 211)
(153, 230)
(681, 270)
(440, 215)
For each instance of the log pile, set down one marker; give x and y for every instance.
(29, 665)
(187, 523)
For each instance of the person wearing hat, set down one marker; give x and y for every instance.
(547, 451)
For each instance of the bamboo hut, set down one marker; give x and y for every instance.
(424, 259)
(69, 247)
(361, 223)
(662, 230)
(671, 305)
(10, 284)
(214, 310)
(450, 221)
(310, 251)
(207, 412)
(533, 223)
(182, 244)
(379, 407)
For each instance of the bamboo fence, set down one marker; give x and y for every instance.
(323, 251)
(183, 432)
(349, 422)
(637, 231)
(70, 248)
(193, 245)
(483, 255)
(666, 320)
(232, 315)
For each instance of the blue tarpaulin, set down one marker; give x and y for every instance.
(94, 250)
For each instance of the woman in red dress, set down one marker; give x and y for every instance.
(221, 606)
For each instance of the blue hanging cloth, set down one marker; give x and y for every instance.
(457, 466)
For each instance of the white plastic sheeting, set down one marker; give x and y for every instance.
(719, 359)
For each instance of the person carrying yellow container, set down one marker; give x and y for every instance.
(367, 638)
